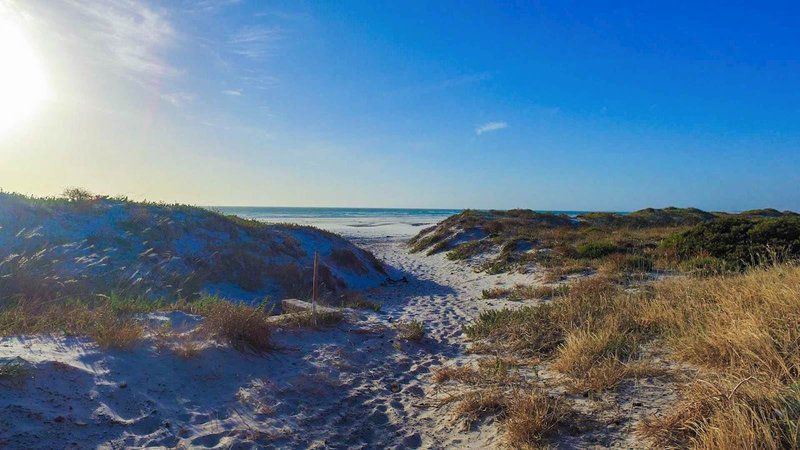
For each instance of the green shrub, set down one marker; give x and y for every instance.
(739, 240)
(598, 249)
(466, 250)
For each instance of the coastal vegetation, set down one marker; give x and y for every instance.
(731, 340)
(671, 239)
(725, 337)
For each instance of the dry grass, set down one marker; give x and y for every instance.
(243, 327)
(531, 416)
(620, 263)
(356, 300)
(473, 405)
(486, 372)
(527, 415)
(743, 330)
(724, 412)
(537, 331)
(745, 324)
(596, 356)
(525, 292)
(100, 321)
(187, 349)
(410, 330)
(305, 319)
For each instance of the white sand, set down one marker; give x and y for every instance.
(336, 387)
(345, 387)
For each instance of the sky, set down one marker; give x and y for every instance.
(560, 105)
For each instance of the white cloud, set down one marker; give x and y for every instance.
(178, 99)
(489, 127)
(127, 34)
(211, 5)
(232, 92)
(254, 42)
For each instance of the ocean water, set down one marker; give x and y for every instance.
(353, 222)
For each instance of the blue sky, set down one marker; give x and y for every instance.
(545, 105)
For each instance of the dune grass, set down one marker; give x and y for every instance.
(106, 321)
(743, 331)
(740, 331)
(356, 300)
(525, 292)
(490, 387)
(412, 330)
(243, 327)
(111, 322)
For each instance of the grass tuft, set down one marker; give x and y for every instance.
(531, 417)
(410, 330)
(244, 328)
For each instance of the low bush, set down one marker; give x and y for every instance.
(594, 250)
(739, 241)
(243, 327)
(410, 330)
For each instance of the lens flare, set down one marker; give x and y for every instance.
(22, 82)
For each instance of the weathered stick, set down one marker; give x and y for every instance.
(314, 290)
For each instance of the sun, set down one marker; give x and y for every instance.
(22, 81)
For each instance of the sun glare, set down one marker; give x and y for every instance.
(22, 82)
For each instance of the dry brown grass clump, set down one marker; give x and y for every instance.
(244, 328)
(410, 330)
(724, 412)
(531, 416)
(187, 349)
(528, 416)
(525, 292)
(744, 331)
(97, 320)
(487, 371)
(746, 324)
(597, 357)
(473, 405)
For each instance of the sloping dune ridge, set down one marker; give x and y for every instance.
(56, 247)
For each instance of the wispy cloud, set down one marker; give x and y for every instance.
(255, 41)
(210, 5)
(489, 127)
(232, 92)
(127, 34)
(444, 84)
(178, 99)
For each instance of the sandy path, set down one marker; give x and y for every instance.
(444, 296)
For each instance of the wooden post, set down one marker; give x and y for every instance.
(314, 290)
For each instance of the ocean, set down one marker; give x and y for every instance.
(353, 222)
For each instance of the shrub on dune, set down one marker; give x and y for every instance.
(243, 327)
